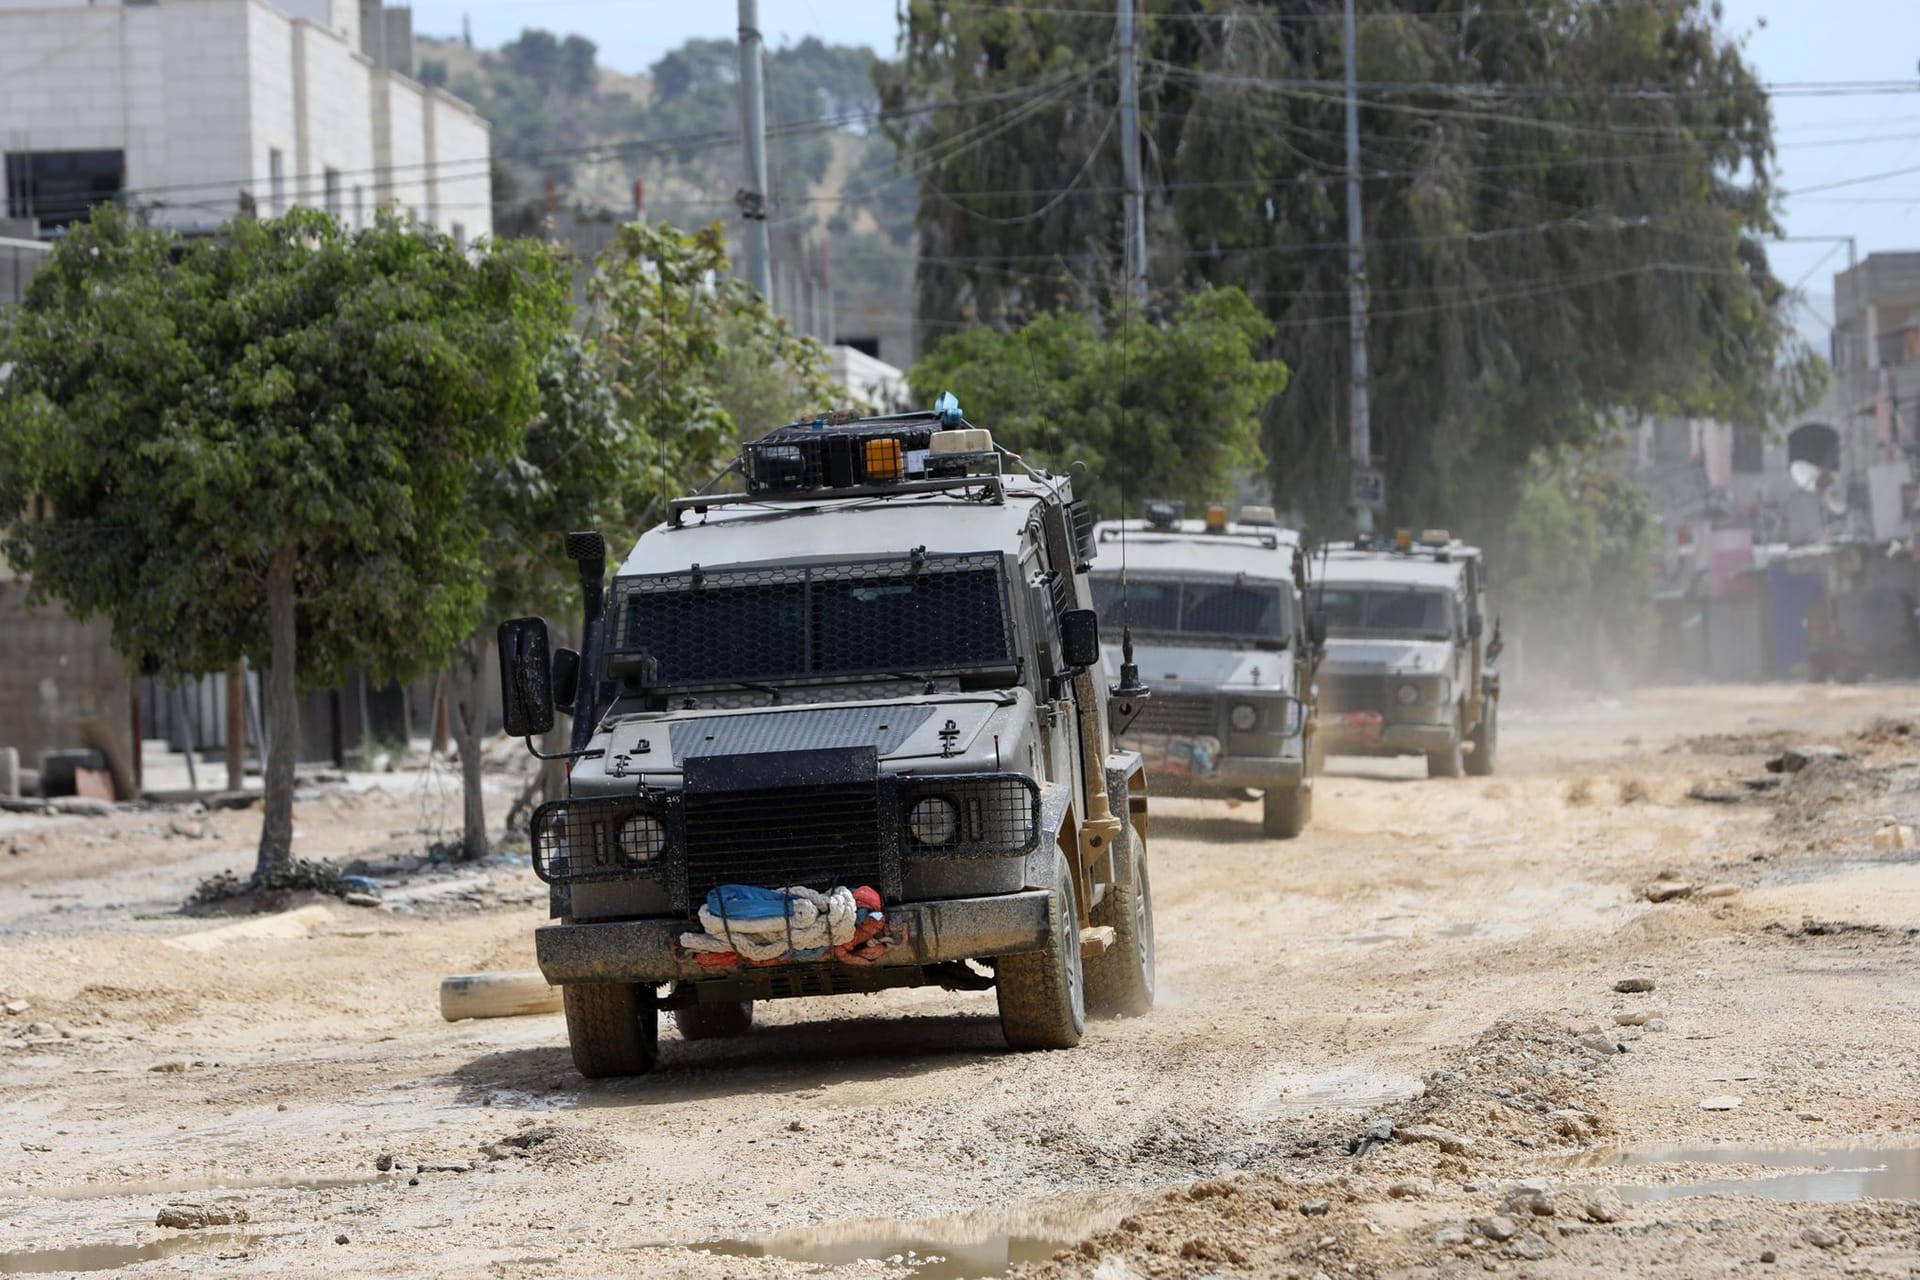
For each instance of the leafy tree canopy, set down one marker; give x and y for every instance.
(1163, 411)
(1565, 204)
(263, 445)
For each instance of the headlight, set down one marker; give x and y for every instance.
(1244, 716)
(934, 822)
(1406, 695)
(640, 839)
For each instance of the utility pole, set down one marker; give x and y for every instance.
(752, 198)
(1362, 442)
(1135, 198)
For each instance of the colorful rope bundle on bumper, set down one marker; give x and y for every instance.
(744, 924)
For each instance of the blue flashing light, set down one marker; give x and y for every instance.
(947, 409)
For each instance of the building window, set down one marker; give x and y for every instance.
(460, 236)
(359, 206)
(1672, 440)
(59, 187)
(1749, 449)
(1814, 442)
(276, 182)
(330, 191)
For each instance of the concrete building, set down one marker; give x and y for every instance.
(1790, 547)
(191, 110)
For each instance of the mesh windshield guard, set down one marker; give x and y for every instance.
(917, 615)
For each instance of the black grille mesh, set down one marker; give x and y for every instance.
(1172, 713)
(920, 613)
(819, 837)
(1358, 693)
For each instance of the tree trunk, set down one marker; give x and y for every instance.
(283, 710)
(236, 728)
(466, 696)
(442, 718)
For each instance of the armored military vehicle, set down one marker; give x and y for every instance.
(840, 731)
(1223, 635)
(1409, 668)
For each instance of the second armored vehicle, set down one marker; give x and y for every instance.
(1225, 641)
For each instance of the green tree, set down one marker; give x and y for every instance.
(1164, 411)
(263, 445)
(1566, 205)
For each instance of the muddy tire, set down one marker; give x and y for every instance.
(1486, 743)
(1285, 811)
(1120, 979)
(714, 1021)
(1042, 994)
(496, 995)
(1450, 762)
(613, 1029)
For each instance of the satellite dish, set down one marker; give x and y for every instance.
(1806, 475)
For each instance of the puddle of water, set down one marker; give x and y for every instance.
(1828, 1176)
(110, 1257)
(197, 1186)
(966, 1247)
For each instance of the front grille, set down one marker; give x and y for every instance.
(1357, 693)
(1187, 716)
(818, 837)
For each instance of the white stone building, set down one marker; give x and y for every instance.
(190, 110)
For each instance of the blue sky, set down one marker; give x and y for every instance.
(1787, 40)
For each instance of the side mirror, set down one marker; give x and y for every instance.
(566, 679)
(1476, 625)
(1317, 629)
(1080, 639)
(526, 676)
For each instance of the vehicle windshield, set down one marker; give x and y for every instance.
(1386, 609)
(939, 615)
(1223, 609)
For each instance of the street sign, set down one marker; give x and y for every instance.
(1367, 489)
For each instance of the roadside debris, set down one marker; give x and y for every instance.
(496, 995)
(1895, 837)
(194, 1217)
(1633, 986)
(1720, 1102)
(1667, 890)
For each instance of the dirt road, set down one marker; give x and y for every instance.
(1393, 1047)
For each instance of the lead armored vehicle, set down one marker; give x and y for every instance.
(1409, 668)
(1217, 609)
(840, 731)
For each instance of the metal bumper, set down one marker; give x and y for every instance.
(1233, 775)
(1347, 738)
(950, 929)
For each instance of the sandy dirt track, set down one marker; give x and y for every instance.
(1393, 1047)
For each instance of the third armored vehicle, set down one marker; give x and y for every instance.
(840, 731)
(1225, 641)
(1409, 666)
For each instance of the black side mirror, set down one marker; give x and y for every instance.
(1476, 625)
(526, 676)
(1080, 639)
(566, 679)
(1317, 629)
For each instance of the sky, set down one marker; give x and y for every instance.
(1821, 139)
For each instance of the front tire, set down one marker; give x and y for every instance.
(1042, 994)
(1120, 979)
(1285, 811)
(1486, 742)
(1449, 762)
(714, 1021)
(613, 1029)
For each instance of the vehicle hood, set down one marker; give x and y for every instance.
(1171, 667)
(906, 733)
(1351, 657)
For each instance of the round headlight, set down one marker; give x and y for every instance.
(935, 822)
(1244, 716)
(641, 838)
(1407, 695)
